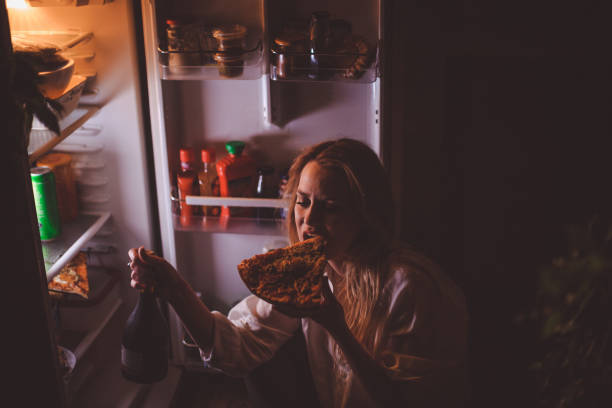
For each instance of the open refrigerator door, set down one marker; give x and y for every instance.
(102, 140)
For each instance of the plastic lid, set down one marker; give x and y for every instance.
(288, 38)
(234, 147)
(229, 32)
(208, 155)
(54, 160)
(186, 154)
(177, 21)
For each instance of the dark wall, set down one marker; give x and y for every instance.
(499, 126)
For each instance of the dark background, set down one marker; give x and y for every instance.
(499, 133)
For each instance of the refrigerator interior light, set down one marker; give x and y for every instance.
(17, 4)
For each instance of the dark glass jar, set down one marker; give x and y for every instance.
(319, 34)
(183, 43)
(289, 51)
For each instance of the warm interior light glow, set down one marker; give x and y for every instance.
(17, 4)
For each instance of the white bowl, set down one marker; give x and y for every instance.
(53, 83)
(70, 361)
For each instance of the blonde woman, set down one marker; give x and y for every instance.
(392, 329)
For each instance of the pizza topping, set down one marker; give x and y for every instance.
(289, 275)
(72, 278)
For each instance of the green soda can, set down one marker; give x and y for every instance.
(45, 199)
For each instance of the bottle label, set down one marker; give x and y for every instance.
(132, 360)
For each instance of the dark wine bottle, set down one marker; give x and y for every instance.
(145, 346)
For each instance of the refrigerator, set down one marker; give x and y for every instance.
(156, 80)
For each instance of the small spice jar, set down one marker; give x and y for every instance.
(288, 46)
(183, 43)
(231, 41)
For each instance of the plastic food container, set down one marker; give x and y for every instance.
(70, 99)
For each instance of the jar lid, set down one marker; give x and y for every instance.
(53, 160)
(186, 155)
(265, 170)
(229, 32)
(288, 38)
(208, 155)
(235, 147)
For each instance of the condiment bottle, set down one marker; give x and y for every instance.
(67, 201)
(209, 181)
(265, 189)
(186, 181)
(237, 176)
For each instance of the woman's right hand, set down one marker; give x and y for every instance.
(150, 270)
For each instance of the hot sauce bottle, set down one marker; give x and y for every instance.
(186, 181)
(237, 178)
(209, 181)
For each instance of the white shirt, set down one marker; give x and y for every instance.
(424, 344)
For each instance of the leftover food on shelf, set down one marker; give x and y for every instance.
(287, 276)
(72, 278)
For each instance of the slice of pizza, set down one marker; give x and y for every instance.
(287, 276)
(72, 278)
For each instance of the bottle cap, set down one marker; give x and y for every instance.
(186, 155)
(235, 147)
(265, 170)
(208, 156)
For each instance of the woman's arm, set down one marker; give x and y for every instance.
(374, 378)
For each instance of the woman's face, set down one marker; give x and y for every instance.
(324, 208)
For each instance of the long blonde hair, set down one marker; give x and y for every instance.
(365, 268)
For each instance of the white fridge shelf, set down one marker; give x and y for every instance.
(74, 236)
(43, 140)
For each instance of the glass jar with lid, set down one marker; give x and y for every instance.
(289, 50)
(183, 43)
(231, 44)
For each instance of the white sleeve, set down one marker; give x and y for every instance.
(250, 335)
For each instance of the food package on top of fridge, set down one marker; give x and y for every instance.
(64, 3)
(48, 42)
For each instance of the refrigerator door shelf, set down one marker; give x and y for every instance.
(237, 201)
(74, 236)
(43, 140)
(231, 225)
(250, 68)
(338, 67)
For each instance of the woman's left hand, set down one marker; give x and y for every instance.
(330, 314)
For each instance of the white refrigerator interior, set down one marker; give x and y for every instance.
(197, 105)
